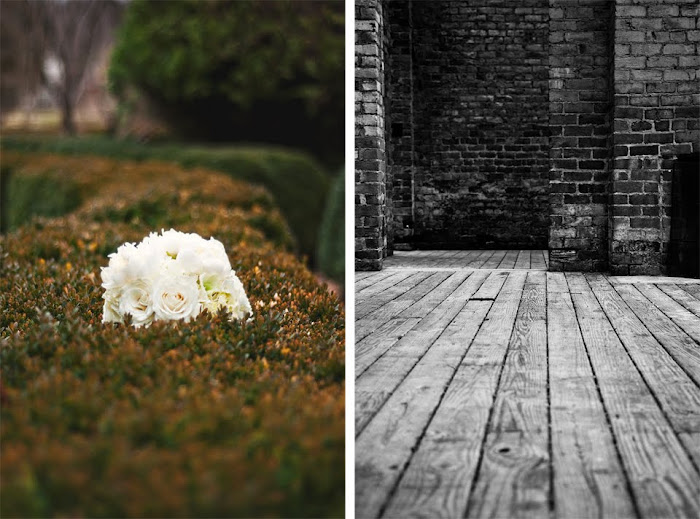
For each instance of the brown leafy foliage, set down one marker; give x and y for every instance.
(211, 418)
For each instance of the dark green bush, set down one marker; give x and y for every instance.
(207, 419)
(297, 183)
(39, 195)
(331, 248)
(238, 69)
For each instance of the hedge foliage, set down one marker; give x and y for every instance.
(207, 419)
(237, 68)
(297, 183)
(239, 49)
(331, 243)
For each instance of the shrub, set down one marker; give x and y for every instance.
(207, 419)
(331, 243)
(38, 195)
(238, 68)
(296, 182)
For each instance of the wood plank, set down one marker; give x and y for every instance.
(463, 257)
(492, 286)
(407, 291)
(495, 260)
(359, 275)
(681, 347)
(405, 279)
(478, 259)
(425, 305)
(546, 258)
(688, 322)
(537, 260)
(556, 283)
(378, 283)
(377, 383)
(513, 479)
(509, 259)
(588, 478)
(374, 345)
(396, 430)
(693, 290)
(523, 260)
(681, 297)
(440, 474)
(419, 295)
(661, 475)
(654, 280)
(676, 393)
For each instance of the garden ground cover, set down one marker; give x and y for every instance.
(211, 418)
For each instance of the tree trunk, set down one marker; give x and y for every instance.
(67, 116)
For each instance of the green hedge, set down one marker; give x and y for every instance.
(207, 419)
(297, 182)
(227, 69)
(331, 247)
(38, 195)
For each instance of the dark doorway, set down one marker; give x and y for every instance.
(684, 249)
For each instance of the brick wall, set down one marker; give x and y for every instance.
(579, 94)
(370, 159)
(470, 89)
(475, 159)
(400, 124)
(656, 115)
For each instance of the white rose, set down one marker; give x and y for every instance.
(130, 263)
(110, 311)
(201, 256)
(136, 300)
(226, 291)
(176, 297)
(171, 242)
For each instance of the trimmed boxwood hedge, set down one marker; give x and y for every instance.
(207, 419)
(297, 183)
(331, 243)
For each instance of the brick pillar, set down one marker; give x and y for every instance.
(579, 94)
(370, 151)
(656, 119)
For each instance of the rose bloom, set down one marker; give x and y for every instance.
(225, 292)
(176, 297)
(136, 300)
(110, 311)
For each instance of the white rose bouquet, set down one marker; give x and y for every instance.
(171, 276)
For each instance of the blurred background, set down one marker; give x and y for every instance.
(251, 89)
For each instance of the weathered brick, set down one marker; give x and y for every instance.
(644, 150)
(604, 159)
(663, 11)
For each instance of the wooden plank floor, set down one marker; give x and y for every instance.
(469, 259)
(516, 392)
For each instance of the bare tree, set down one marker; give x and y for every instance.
(22, 45)
(53, 43)
(76, 32)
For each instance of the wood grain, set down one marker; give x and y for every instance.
(437, 482)
(488, 389)
(513, 479)
(588, 478)
(375, 385)
(683, 318)
(681, 297)
(677, 394)
(681, 347)
(385, 446)
(663, 480)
